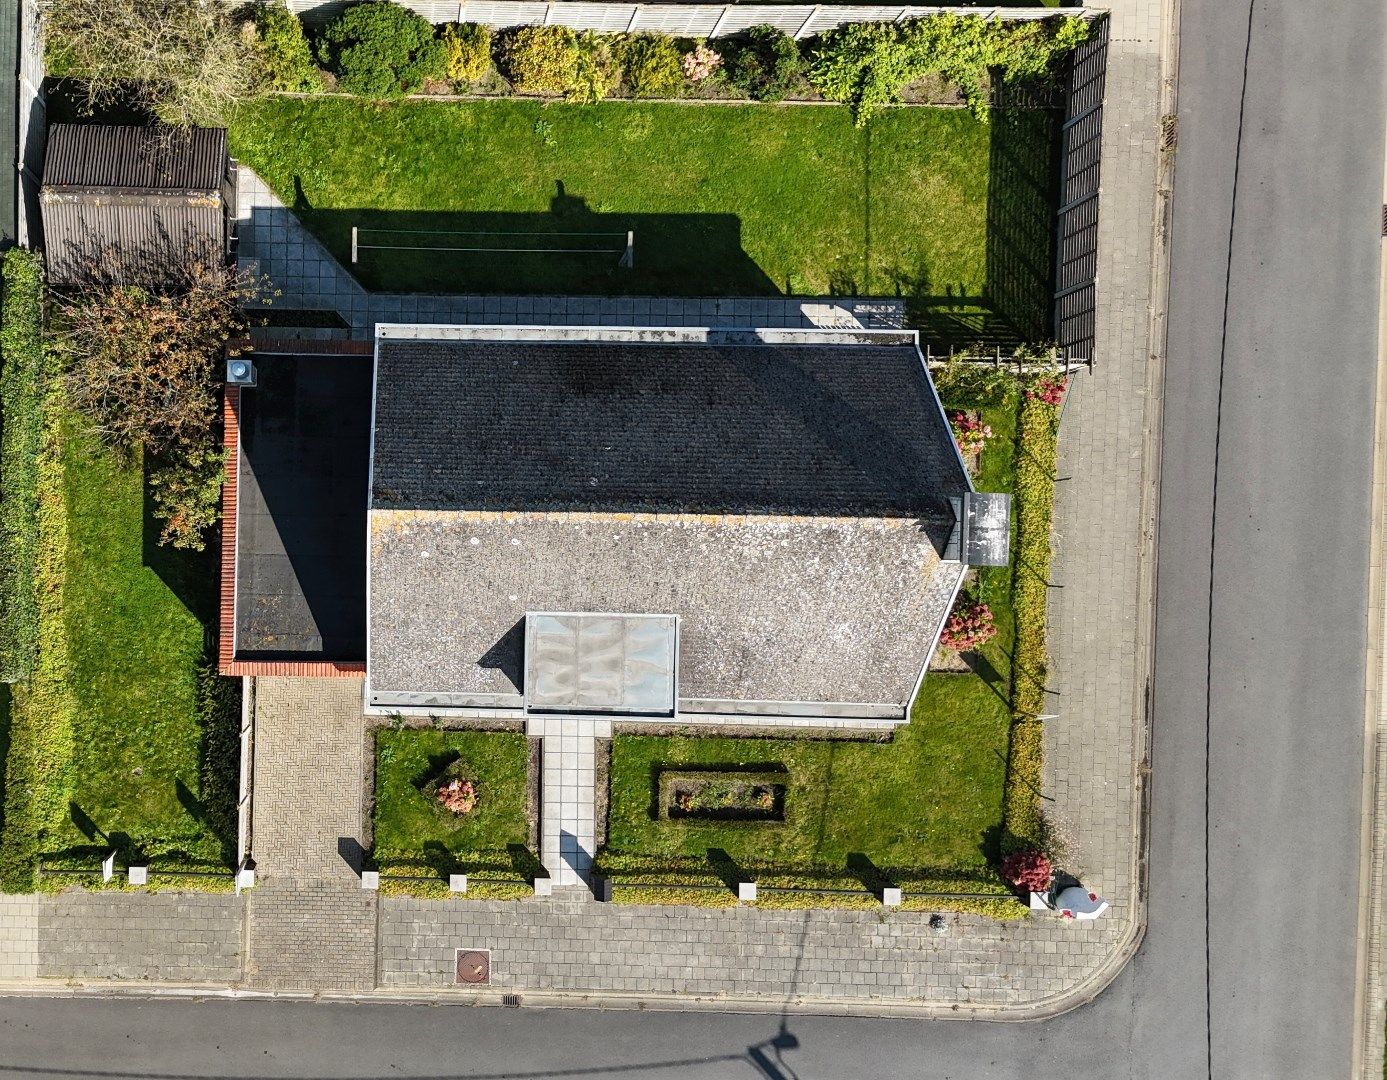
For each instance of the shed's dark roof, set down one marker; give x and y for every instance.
(798, 429)
(111, 156)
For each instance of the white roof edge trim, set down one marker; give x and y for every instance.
(645, 335)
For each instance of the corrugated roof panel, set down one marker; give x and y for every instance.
(126, 240)
(135, 158)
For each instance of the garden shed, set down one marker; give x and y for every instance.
(135, 205)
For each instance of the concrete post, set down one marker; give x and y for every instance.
(370, 879)
(457, 883)
(746, 891)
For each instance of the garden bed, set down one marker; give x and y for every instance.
(723, 794)
(419, 842)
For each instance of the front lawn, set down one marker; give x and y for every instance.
(416, 837)
(724, 200)
(927, 806)
(156, 751)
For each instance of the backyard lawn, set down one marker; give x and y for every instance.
(723, 200)
(414, 835)
(155, 752)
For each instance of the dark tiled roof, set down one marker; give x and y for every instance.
(796, 429)
(135, 158)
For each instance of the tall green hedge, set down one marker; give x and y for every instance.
(1034, 506)
(38, 767)
(21, 420)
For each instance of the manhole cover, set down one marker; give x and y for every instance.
(474, 966)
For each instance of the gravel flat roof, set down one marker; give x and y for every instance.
(771, 608)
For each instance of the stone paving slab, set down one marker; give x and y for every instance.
(19, 936)
(860, 956)
(181, 937)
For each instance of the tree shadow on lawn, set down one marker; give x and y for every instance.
(569, 250)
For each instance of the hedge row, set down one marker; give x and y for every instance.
(1034, 499)
(424, 878)
(638, 879)
(39, 763)
(380, 49)
(21, 434)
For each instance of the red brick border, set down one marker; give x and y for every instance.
(227, 663)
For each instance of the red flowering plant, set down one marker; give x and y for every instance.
(1029, 870)
(970, 433)
(970, 625)
(1048, 388)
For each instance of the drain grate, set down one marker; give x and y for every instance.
(474, 966)
(510, 1001)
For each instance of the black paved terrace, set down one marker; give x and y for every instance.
(301, 524)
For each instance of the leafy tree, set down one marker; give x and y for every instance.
(380, 49)
(143, 366)
(185, 61)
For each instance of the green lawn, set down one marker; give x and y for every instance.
(724, 200)
(411, 828)
(146, 765)
(930, 800)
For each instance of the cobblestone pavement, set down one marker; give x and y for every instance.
(858, 956)
(309, 925)
(307, 802)
(166, 937)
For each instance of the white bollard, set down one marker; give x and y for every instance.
(544, 886)
(457, 883)
(370, 879)
(890, 896)
(746, 890)
(139, 875)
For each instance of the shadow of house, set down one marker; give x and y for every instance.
(568, 250)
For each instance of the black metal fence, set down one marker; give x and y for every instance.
(1076, 240)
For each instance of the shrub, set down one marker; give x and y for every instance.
(185, 61)
(541, 59)
(867, 65)
(598, 71)
(1029, 870)
(969, 626)
(186, 488)
(702, 62)
(22, 376)
(380, 49)
(653, 65)
(286, 61)
(764, 65)
(468, 46)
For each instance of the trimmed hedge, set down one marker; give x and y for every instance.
(39, 764)
(21, 434)
(423, 879)
(380, 49)
(1034, 499)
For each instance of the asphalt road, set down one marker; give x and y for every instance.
(1260, 638)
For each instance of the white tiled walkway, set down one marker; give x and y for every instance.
(568, 809)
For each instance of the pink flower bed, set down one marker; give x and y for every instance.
(970, 433)
(1029, 870)
(1048, 388)
(969, 626)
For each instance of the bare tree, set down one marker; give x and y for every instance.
(185, 61)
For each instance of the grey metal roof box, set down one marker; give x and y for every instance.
(982, 533)
(120, 203)
(586, 662)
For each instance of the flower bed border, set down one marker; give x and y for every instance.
(669, 777)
